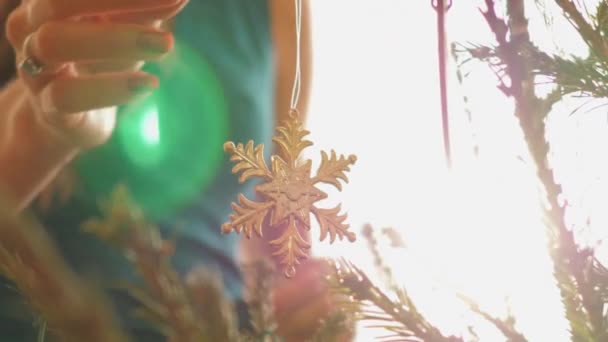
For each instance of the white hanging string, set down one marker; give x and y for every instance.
(297, 82)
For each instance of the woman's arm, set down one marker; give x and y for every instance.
(284, 38)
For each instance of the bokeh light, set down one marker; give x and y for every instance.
(168, 146)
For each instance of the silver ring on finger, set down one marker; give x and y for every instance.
(30, 64)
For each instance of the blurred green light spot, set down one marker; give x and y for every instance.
(168, 146)
(149, 127)
(140, 133)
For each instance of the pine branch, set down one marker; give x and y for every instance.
(506, 327)
(395, 238)
(567, 256)
(599, 277)
(337, 325)
(601, 19)
(586, 77)
(216, 313)
(384, 270)
(260, 278)
(498, 26)
(72, 311)
(404, 321)
(531, 112)
(125, 227)
(590, 35)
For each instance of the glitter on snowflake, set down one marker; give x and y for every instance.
(288, 194)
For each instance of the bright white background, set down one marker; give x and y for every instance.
(477, 229)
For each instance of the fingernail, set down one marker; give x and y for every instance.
(157, 42)
(143, 84)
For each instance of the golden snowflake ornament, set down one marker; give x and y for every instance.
(288, 193)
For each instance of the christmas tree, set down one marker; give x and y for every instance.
(194, 308)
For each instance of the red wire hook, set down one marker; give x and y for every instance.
(442, 54)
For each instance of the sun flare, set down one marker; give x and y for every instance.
(476, 230)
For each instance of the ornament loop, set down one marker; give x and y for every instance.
(435, 4)
(294, 113)
(290, 272)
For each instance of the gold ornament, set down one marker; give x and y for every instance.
(288, 194)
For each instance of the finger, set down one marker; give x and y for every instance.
(149, 15)
(17, 28)
(67, 95)
(40, 11)
(109, 67)
(61, 42)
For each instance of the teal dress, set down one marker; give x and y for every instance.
(167, 150)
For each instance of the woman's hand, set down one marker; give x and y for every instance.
(90, 52)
